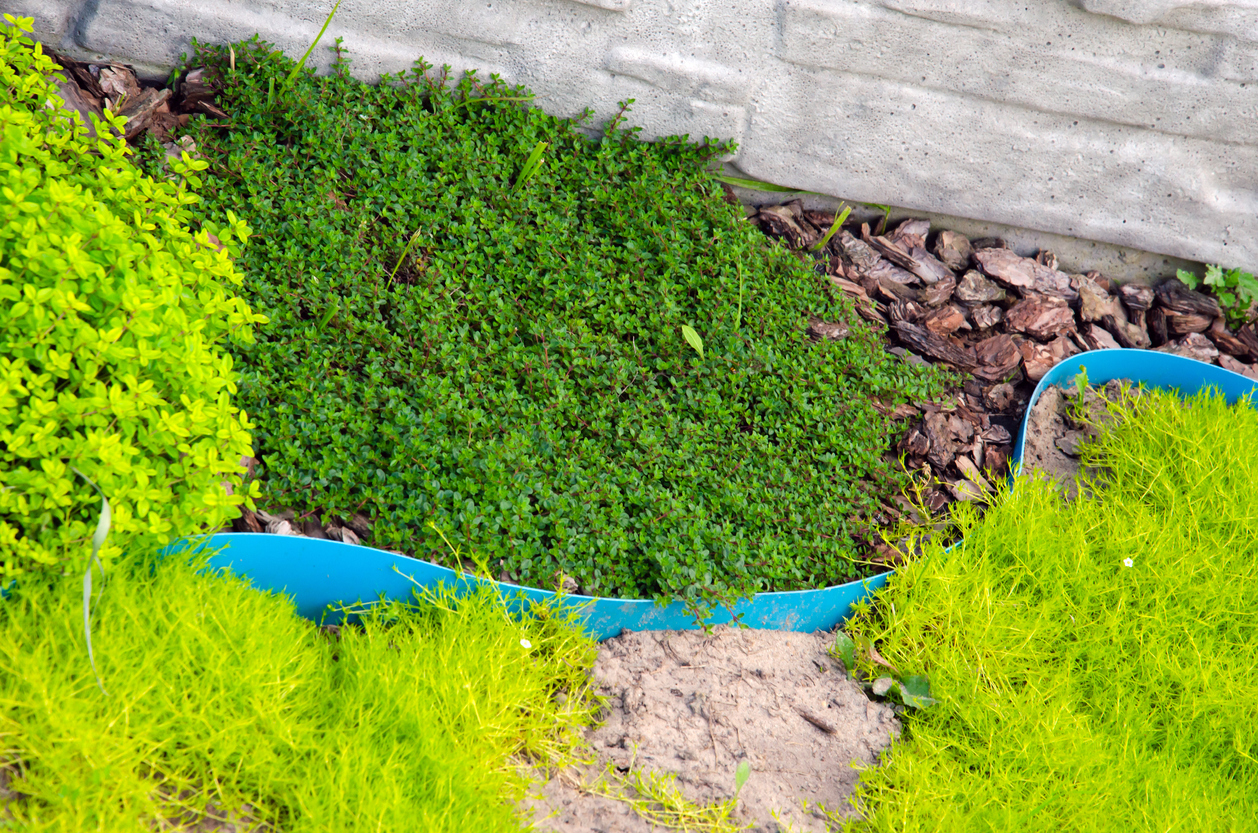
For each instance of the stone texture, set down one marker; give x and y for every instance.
(1133, 122)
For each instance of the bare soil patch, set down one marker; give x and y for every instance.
(695, 705)
(1059, 426)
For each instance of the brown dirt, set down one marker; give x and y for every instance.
(696, 705)
(1054, 437)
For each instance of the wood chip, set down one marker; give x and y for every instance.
(1025, 273)
(1178, 324)
(311, 528)
(360, 524)
(939, 292)
(1041, 317)
(953, 250)
(941, 447)
(973, 288)
(247, 522)
(998, 358)
(928, 267)
(863, 257)
(1229, 363)
(937, 347)
(1137, 296)
(885, 270)
(917, 228)
(780, 221)
(999, 397)
(916, 443)
(827, 330)
(892, 251)
(890, 290)
(1186, 310)
(1095, 304)
(971, 473)
(1193, 346)
(966, 492)
(1227, 341)
(986, 316)
(1178, 299)
(1098, 338)
(1248, 335)
(997, 435)
(1037, 359)
(945, 320)
(1157, 326)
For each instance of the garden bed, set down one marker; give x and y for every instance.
(368, 273)
(971, 306)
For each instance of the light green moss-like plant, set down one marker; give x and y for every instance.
(113, 317)
(1096, 662)
(221, 696)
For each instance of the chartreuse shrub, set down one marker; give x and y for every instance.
(221, 696)
(476, 322)
(1096, 662)
(113, 317)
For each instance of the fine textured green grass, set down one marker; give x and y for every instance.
(221, 697)
(1079, 693)
(479, 319)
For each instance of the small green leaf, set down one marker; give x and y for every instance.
(915, 692)
(692, 338)
(845, 650)
(289, 80)
(741, 775)
(1188, 278)
(1248, 285)
(331, 311)
(886, 214)
(835, 226)
(757, 185)
(400, 257)
(531, 165)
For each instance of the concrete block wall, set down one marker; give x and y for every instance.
(1131, 122)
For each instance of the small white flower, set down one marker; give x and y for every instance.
(524, 643)
(1127, 562)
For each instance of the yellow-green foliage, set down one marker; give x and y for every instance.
(219, 693)
(1096, 662)
(113, 315)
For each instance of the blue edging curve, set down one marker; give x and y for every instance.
(1187, 377)
(318, 573)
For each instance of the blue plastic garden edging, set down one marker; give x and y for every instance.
(318, 573)
(1149, 368)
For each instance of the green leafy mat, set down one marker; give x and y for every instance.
(478, 319)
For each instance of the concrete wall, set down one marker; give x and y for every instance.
(1133, 122)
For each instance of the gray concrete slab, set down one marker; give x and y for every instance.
(1128, 122)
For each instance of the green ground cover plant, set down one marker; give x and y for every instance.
(1235, 289)
(113, 319)
(223, 702)
(571, 356)
(1095, 662)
